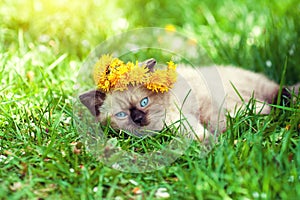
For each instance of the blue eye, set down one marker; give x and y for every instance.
(121, 114)
(144, 102)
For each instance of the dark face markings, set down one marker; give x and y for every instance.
(138, 117)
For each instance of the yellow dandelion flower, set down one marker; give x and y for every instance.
(101, 66)
(105, 86)
(113, 79)
(170, 28)
(122, 70)
(104, 61)
(113, 74)
(192, 41)
(158, 81)
(172, 77)
(137, 75)
(171, 65)
(115, 63)
(130, 65)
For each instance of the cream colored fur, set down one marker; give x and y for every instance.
(200, 98)
(214, 90)
(123, 100)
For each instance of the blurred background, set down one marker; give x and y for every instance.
(259, 35)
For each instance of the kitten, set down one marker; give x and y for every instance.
(199, 100)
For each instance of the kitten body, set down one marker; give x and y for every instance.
(200, 98)
(221, 90)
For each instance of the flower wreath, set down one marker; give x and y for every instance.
(112, 74)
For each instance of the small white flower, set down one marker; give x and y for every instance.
(2, 158)
(263, 195)
(162, 193)
(73, 65)
(291, 179)
(269, 63)
(120, 23)
(63, 153)
(95, 189)
(250, 41)
(255, 195)
(292, 50)
(76, 87)
(256, 31)
(85, 43)
(72, 170)
(32, 134)
(42, 48)
(133, 182)
(7, 160)
(116, 166)
(67, 101)
(44, 38)
(67, 120)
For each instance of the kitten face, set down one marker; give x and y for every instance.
(136, 110)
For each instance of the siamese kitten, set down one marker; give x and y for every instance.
(198, 101)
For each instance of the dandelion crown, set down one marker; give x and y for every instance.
(112, 74)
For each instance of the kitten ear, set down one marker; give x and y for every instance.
(150, 63)
(93, 100)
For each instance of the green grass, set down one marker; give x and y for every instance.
(43, 46)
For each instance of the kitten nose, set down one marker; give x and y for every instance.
(139, 117)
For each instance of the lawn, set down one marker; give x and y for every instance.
(43, 46)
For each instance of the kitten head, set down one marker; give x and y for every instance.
(136, 110)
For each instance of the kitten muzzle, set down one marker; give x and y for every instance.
(138, 117)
